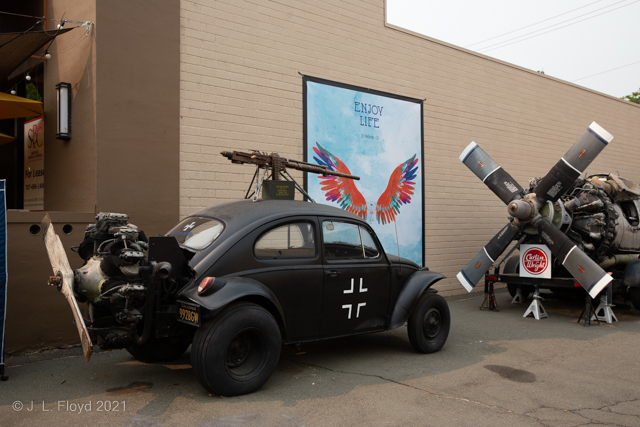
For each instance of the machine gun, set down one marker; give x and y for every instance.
(280, 184)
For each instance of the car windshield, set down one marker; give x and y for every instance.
(197, 233)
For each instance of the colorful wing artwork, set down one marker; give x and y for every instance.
(398, 192)
(337, 189)
(344, 191)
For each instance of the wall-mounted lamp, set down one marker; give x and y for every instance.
(63, 92)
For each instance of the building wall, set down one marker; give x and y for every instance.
(123, 155)
(241, 88)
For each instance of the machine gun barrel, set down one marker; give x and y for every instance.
(271, 160)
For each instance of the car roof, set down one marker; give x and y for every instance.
(244, 212)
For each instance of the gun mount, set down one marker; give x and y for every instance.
(280, 184)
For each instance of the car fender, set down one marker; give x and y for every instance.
(236, 288)
(419, 283)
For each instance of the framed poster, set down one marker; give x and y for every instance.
(379, 137)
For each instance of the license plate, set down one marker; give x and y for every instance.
(189, 313)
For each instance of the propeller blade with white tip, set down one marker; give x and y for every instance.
(471, 274)
(562, 176)
(484, 167)
(586, 272)
(62, 269)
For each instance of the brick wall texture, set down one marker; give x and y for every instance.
(241, 88)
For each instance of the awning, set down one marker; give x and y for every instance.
(15, 48)
(5, 139)
(12, 107)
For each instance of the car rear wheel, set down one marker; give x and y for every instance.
(237, 351)
(429, 324)
(160, 349)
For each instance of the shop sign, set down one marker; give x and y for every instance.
(34, 164)
(535, 261)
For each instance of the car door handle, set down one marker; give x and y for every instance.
(332, 273)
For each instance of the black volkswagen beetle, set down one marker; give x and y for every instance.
(240, 279)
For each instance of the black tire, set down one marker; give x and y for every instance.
(237, 351)
(429, 324)
(160, 349)
(634, 293)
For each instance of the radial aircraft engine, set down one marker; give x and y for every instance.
(543, 211)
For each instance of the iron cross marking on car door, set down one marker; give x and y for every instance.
(360, 304)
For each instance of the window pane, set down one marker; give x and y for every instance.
(370, 248)
(197, 233)
(287, 241)
(341, 240)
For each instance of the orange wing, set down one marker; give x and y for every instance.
(398, 192)
(337, 189)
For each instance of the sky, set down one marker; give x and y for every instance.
(592, 43)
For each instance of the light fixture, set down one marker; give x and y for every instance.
(28, 77)
(13, 92)
(47, 55)
(63, 92)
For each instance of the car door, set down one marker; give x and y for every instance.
(356, 279)
(284, 256)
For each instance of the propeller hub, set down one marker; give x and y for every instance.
(521, 209)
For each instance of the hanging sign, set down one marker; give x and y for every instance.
(34, 164)
(535, 261)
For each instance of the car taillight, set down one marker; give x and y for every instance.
(204, 285)
(209, 285)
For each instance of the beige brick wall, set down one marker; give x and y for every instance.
(240, 89)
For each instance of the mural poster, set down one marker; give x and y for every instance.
(378, 137)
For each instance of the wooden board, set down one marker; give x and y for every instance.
(61, 268)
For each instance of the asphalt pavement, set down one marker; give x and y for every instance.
(497, 368)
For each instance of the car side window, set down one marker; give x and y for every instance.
(370, 248)
(294, 240)
(344, 240)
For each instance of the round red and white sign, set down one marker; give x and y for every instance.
(535, 261)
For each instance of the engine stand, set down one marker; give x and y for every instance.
(536, 307)
(518, 299)
(489, 301)
(604, 312)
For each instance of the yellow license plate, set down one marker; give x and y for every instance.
(189, 313)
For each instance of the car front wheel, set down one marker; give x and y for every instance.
(237, 351)
(429, 324)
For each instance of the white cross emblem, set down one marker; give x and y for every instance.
(350, 291)
(189, 226)
(359, 305)
(350, 306)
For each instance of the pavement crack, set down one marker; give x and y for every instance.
(461, 399)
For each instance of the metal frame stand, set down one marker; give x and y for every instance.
(3, 377)
(605, 305)
(536, 307)
(588, 312)
(489, 301)
(518, 298)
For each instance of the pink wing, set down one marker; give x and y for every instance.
(337, 189)
(398, 192)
